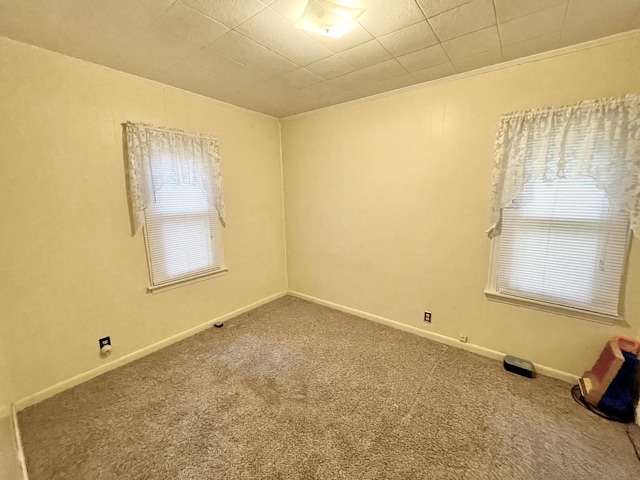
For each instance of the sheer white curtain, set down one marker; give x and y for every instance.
(159, 157)
(597, 139)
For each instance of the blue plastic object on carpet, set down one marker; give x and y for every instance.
(618, 399)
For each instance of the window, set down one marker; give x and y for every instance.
(561, 206)
(562, 243)
(176, 194)
(183, 235)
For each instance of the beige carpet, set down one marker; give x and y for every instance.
(293, 390)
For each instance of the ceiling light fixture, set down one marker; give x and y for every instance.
(328, 18)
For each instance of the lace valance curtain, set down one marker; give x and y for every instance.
(598, 139)
(159, 157)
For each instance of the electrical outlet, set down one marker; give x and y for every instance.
(104, 341)
(427, 317)
(463, 338)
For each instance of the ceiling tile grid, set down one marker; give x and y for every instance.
(409, 39)
(250, 53)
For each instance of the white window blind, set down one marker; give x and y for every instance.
(183, 235)
(562, 243)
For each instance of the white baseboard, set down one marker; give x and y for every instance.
(88, 375)
(18, 443)
(486, 352)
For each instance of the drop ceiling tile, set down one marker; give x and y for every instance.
(190, 24)
(61, 25)
(425, 58)
(228, 12)
(510, 9)
(395, 83)
(154, 50)
(207, 83)
(592, 10)
(213, 90)
(241, 49)
(478, 60)
(467, 18)
(25, 25)
(274, 87)
(347, 82)
(330, 67)
(366, 54)
(234, 81)
(476, 42)
(367, 90)
(544, 22)
(321, 95)
(211, 61)
(87, 39)
(385, 70)
(384, 16)
(101, 50)
(229, 82)
(250, 99)
(290, 9)
(175, 80)
(432, 8)
(432, 73)
(278, 34)
(336, 97)
(409, 39)
(194, 82)
(582, 31)
(133, 16)
(531, 46)
(300, 78)
(322, 90)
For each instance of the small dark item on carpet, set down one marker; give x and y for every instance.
(218, 325)
(518, 365)
(577, 396)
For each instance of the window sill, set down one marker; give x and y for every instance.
(153, 289)
(553, 308)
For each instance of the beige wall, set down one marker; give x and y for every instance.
(6, 387)
(71, 272)
(386, 204)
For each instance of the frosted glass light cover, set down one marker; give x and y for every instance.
(328, 18)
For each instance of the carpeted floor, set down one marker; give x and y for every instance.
(294, 390)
